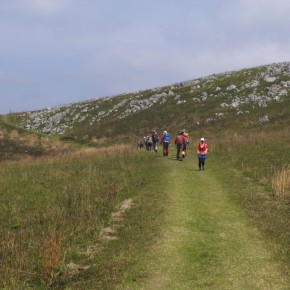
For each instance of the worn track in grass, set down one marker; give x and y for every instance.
(207, 241)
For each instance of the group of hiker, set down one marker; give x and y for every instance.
(150, 142)
(181, 141)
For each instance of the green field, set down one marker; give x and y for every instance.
(121, 218)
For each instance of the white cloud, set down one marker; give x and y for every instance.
(239, 58)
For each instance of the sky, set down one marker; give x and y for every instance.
(57, 52)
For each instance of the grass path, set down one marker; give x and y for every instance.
(207, 241)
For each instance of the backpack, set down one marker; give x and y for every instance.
(179, 140)
(155, 137)
(166, 138)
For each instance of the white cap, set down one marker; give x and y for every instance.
(202, 139)
(165, 132)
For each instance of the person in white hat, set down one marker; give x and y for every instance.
(201, 152)
(165, 140)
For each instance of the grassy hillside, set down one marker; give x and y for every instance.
(67, 218)
(239, 101)
(17, 143)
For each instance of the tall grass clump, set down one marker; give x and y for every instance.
(281, 182)
(52, 211)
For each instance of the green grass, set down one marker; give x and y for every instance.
(53, 210)
(209, 230)
(207, 240)
(259, 156)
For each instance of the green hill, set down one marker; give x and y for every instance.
(77, 217)
(249, 99)
(16, 142)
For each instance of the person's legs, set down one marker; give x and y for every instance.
(202, 163)
(166, 148)
(185, 150)
(178, 152)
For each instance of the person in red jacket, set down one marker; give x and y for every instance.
(179, 141)
(202, 152)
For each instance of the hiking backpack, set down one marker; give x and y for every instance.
(179, 140)
(166, 138)
(155, 137)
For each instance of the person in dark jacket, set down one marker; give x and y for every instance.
(155, 139)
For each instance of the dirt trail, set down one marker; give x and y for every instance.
(207, 241)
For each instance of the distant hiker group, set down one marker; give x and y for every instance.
(181, 141)
(150, 142)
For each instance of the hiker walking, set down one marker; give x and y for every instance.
(165, 140)
(140, 143)
(155, 140)
(202, 152)
(185, 145)
(179, 141)
(149, 142)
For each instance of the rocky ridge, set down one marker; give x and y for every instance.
(270, 84)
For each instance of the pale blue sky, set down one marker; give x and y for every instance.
(55, 52)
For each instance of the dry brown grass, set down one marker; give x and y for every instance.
(232, 140)
(281, 181)
(51, 254)
(100, 141)
(102, 152)
(13, 257)
(14, 135)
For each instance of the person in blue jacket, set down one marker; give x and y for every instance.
(165, 140)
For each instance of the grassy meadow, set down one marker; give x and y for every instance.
(57, 222)
(84, 219)
(263, 158)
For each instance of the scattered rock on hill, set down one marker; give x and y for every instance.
(276, 78)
